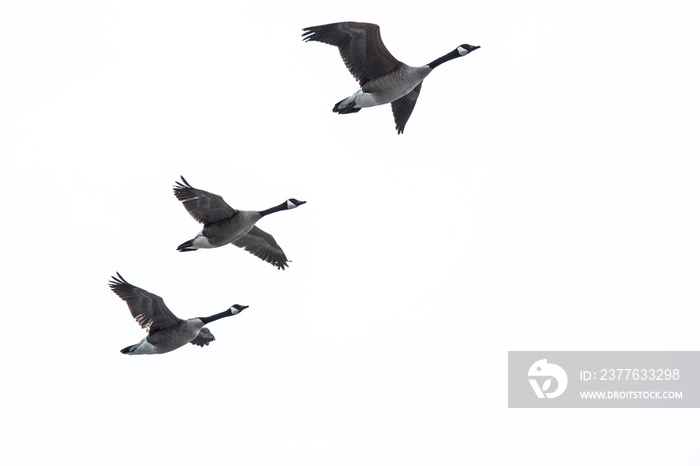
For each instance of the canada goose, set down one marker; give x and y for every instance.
(224, 224)
(382, 77)
(165, 331)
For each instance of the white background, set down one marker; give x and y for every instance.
(543, 197)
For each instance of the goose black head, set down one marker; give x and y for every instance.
(236, 309)
(293, 203)
(466, 48)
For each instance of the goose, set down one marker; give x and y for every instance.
(165, 331)
(224, 224)
(382, 77)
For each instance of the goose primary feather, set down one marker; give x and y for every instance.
(225, 225)
(383, 79)
(166, 332)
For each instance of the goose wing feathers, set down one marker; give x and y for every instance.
(148, 309)
(203, 206)
(360, 46)
(403, 107)
(204, 338)
(264, 246)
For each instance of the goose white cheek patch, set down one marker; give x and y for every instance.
(291, 205)
(462, 51)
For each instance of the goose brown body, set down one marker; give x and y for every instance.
(166, 332)
(383, 79)
(225, 225)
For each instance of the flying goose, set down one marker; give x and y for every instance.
(165, 331)
(224, 224)
(382, 77)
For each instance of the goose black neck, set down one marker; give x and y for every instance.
(272, 210)
(447, 57)
(218, 316)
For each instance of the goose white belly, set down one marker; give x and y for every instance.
(201, 242)
(363, 100)
(144, 347)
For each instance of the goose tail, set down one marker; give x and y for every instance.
(187, 246)
(129, 349)
(347, 105)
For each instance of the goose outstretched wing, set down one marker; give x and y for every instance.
(204, 338)
(203, 206)
(403, 107)
(360, 46)
(264, 246)
(148, 309)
